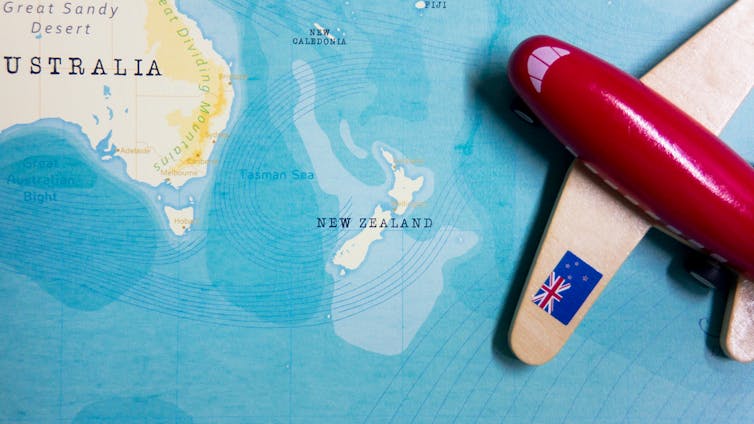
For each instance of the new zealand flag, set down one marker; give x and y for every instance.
(567, 287)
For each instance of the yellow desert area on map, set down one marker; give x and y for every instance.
(138, 77)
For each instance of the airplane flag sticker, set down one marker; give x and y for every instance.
(566, 288)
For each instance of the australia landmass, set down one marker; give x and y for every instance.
(141, 80)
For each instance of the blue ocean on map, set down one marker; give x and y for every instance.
(283, 301)
(49, 189)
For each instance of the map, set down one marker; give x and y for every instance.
(318, 211)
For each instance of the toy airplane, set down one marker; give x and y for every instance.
(641, 162)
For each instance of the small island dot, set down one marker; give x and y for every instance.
(420, 4)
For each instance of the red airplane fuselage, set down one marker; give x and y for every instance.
(653, 153)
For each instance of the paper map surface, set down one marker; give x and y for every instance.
(318, 211)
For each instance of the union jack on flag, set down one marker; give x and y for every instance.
(550, 291)
(567, 287)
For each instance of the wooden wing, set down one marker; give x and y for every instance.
(597, 226)
(708, 77)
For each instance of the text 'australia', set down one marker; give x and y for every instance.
(58, 65)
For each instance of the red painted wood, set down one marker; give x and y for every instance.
(635, 139)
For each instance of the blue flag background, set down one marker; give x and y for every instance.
(582, 279)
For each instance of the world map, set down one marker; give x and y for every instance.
(265, 211)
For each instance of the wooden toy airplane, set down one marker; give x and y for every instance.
(641, 162)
